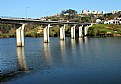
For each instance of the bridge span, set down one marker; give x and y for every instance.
(47, 26)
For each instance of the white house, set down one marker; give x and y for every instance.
(114, 21)
(119, 20)
(98, 21)
(109, 22)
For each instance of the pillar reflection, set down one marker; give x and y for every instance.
(75, 51)
(73, 47)
(73, 43)
(63, 51)
(21, 59)
(62, 45)
(47, 54)
(83, 40)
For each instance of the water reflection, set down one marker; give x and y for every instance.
(63, 51)
(73, 46)
(21, 59)
(47, 53)
(93, 60)
(84, 46)
(62, 46)
(83, 40)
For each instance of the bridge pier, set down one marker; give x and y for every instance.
(80, 31)
(20, 36)
(86, 30)
(73, 32)
(62, 32)
(46, 34)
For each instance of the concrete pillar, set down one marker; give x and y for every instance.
(20, 36)
(80, 31)
(62, 32)
(46, 34)
(85, 30)
(73, 32)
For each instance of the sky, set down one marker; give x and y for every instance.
(41, 8)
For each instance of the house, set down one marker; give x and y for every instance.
(113, 21)
(119, 20)
(109, 22)
(98, 21)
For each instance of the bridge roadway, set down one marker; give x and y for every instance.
(25, 21)
(83, 27)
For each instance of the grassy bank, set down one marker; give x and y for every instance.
(104, 29)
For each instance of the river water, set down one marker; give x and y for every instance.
(79, 61)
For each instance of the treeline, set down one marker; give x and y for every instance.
(7, 30)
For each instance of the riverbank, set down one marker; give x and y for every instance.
(104, 30)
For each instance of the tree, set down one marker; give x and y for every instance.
(92, 31)
(86, 19)
(69, 14)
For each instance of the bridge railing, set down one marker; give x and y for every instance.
(9, 17)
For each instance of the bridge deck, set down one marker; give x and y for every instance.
(25, 21)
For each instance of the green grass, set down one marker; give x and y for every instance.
(104, 29)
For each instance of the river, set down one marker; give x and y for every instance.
(79, 61)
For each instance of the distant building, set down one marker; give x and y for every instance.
(116, 11)
(98, 21)
(109, 22)
(87, 12)
(42, 19)
(119, 20)
(113, 21)
(84, 12)
(95, 12)
(103, 12)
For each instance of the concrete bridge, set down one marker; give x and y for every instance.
(83, 27)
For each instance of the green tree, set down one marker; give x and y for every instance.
(93, 31)
(86, 19)
(68, 14)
